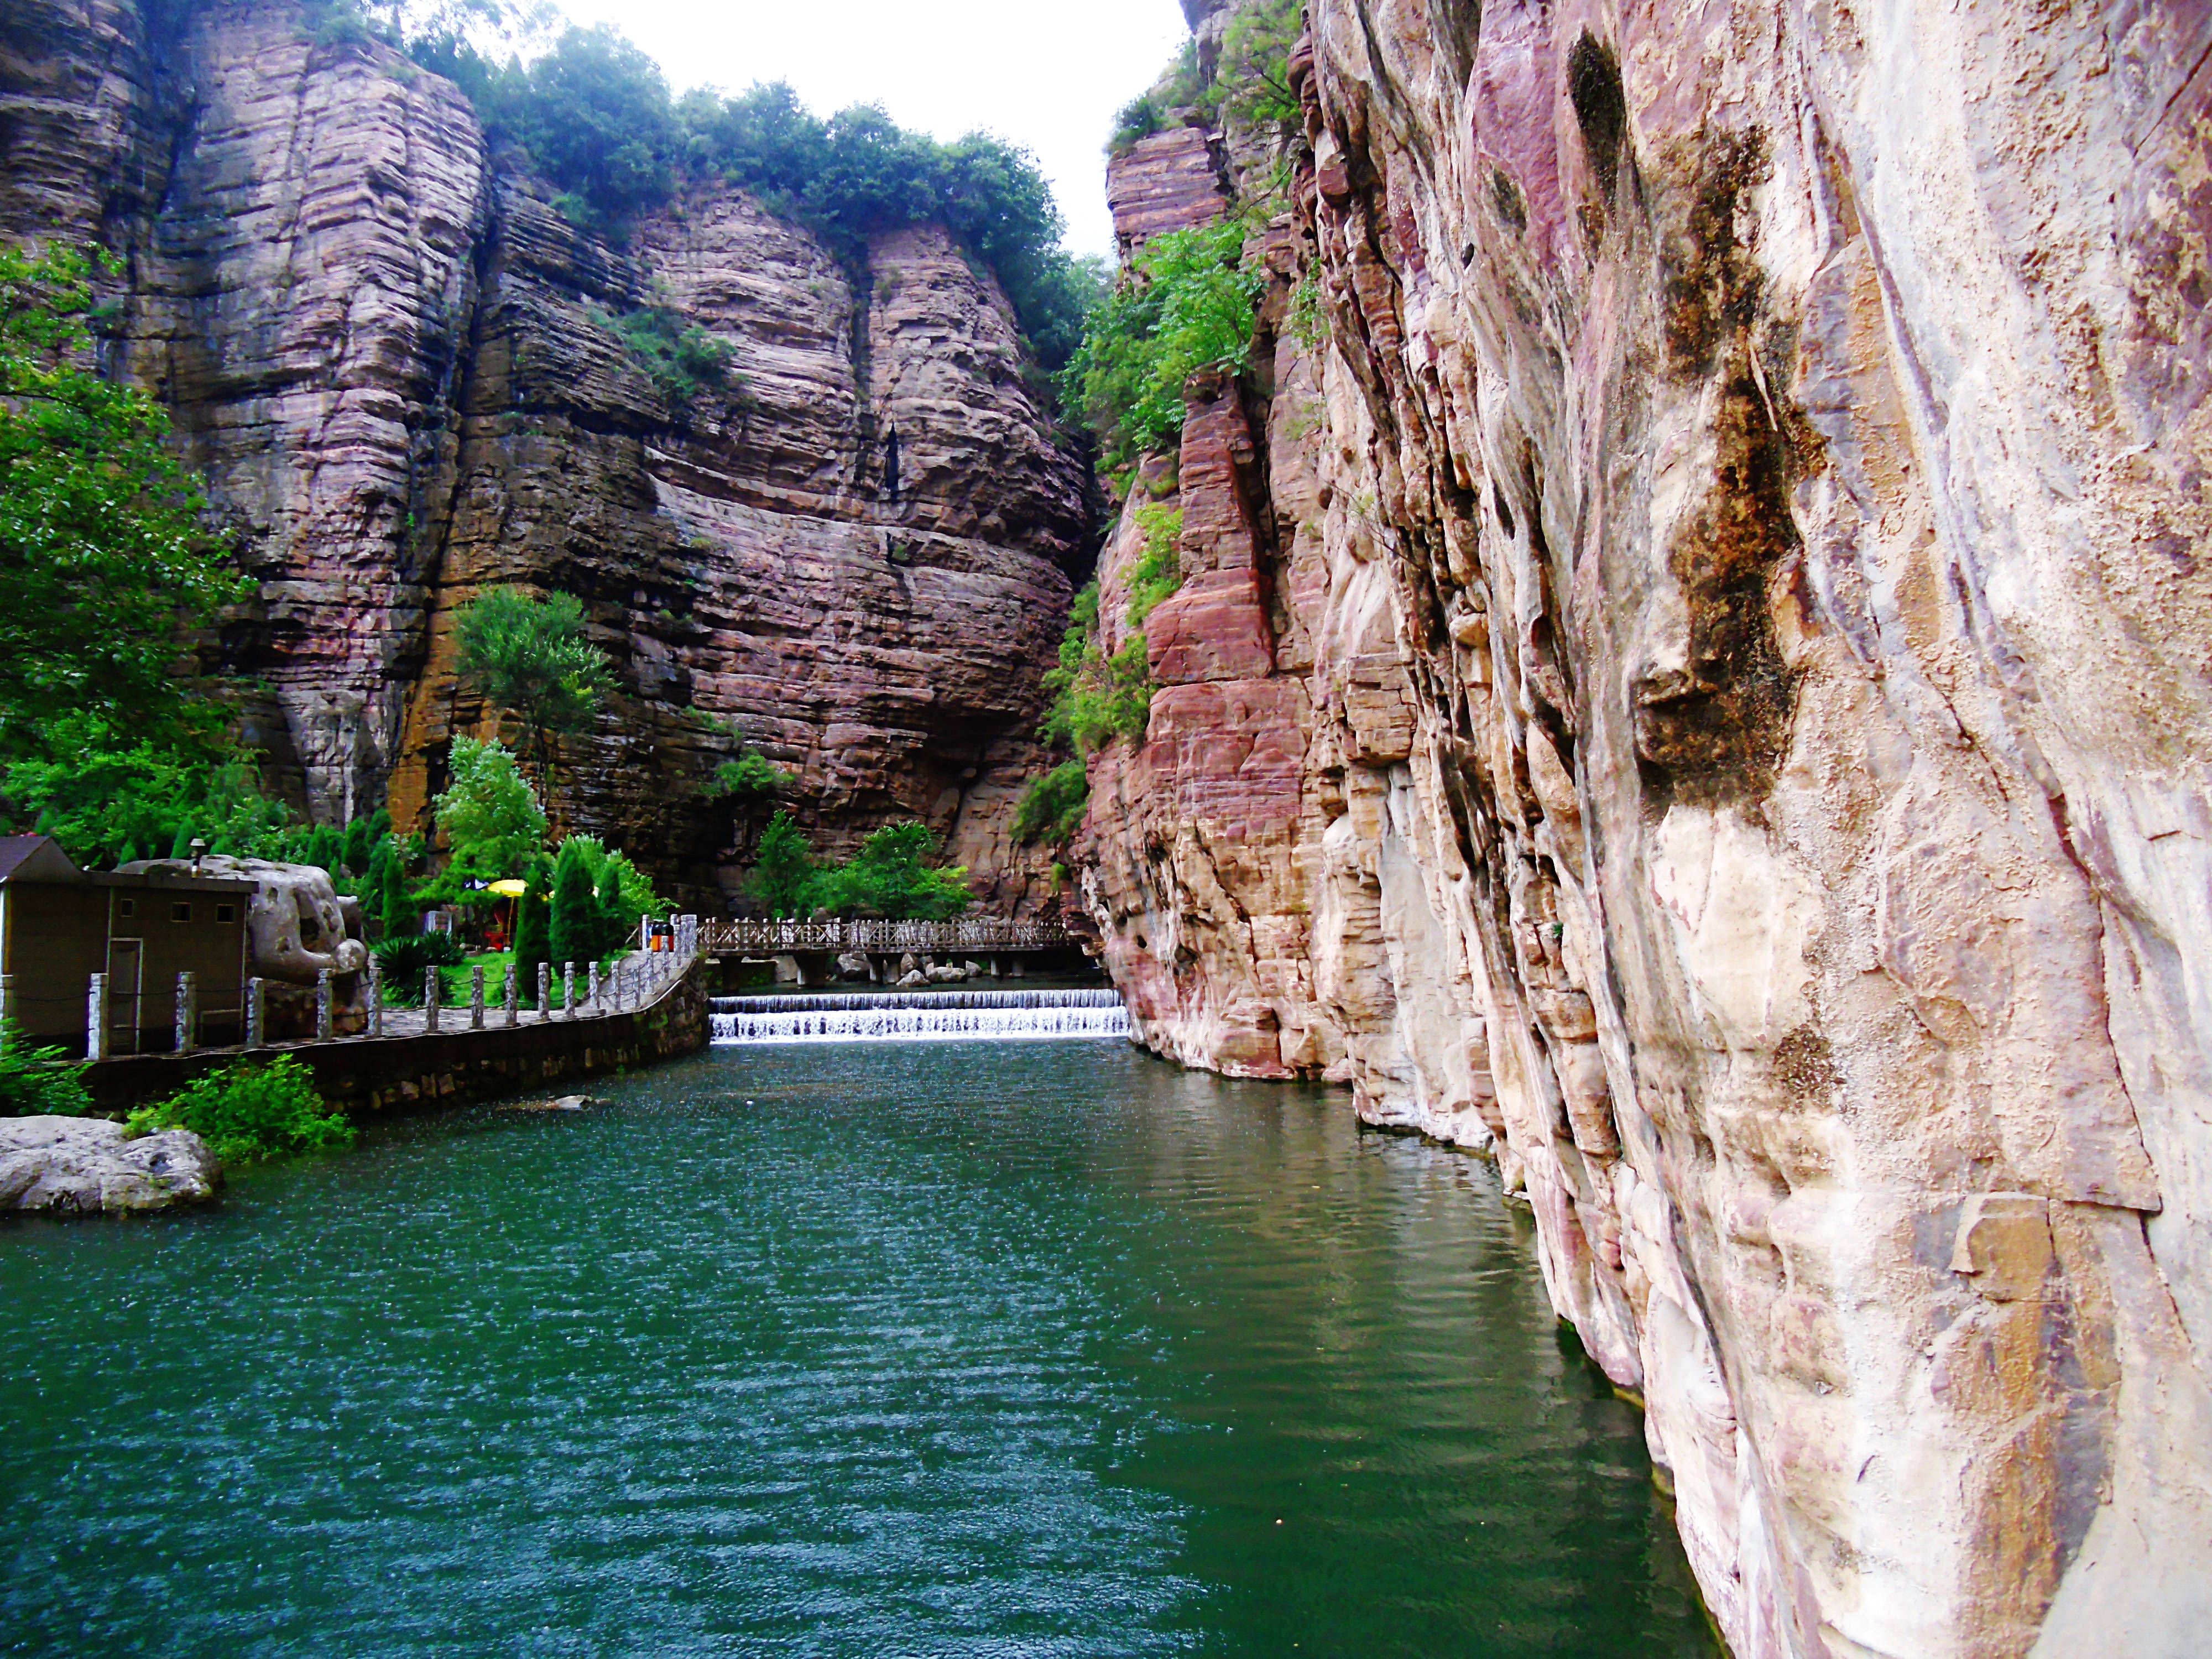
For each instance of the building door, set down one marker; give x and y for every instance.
(125, 958)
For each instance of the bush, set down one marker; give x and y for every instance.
(1052, 808)
(403, 963)
(1157, 575)
(890, 877)
(681, 359)
(38, 1082)
(1190, 304)
(1096, 699)
(245, 1112)
(534, 940)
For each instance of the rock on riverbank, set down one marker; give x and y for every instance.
(85, 1166)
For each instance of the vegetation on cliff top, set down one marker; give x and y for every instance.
(1248, 84)
(596, 116)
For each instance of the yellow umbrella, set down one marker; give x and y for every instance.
(509, 889)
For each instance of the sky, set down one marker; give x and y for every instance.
(1047, 74)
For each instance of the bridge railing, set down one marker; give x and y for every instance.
(943, 938)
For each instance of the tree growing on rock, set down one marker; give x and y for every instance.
(528, 658)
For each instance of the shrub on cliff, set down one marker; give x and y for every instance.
(1096, 698)
(247, 1112)
(1252, 81)
(1053, 807)
(1190, 304)
(681, 359)
(1157, 573)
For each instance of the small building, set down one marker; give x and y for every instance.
(59, 926)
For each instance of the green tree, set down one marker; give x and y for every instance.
(108, 798)
(1252, 81)
(615, 921)
(489, 814)
(783, 869)
(102, 561)
(892, 876)
(387, 897)
(528, 657)
(576, 917)
(533, 940)
(595, 111)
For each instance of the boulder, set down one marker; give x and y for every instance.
(854, 965)
(88, 1166)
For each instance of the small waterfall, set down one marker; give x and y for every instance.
(921, 1016)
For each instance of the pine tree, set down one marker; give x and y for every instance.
(388, 897)
(575, 930)
(614, 924)
(532, 942)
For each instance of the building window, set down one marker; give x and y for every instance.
(226, 914)
(180, 913)
(127, 907)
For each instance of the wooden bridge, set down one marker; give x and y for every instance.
(976, 935)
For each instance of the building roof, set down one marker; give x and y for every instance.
(35, 859)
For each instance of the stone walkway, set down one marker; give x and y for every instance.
(640, 993)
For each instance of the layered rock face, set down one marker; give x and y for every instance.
(1749, 769)
(398, 371)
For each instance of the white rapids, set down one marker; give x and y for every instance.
(920, 1017)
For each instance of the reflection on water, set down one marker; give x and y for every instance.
(996, 1350)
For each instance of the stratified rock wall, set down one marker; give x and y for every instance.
(397, 368)
(1757, 714)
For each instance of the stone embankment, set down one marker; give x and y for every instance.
(413, 1069)
(1697, 687)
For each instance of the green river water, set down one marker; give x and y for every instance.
(1015, 1349)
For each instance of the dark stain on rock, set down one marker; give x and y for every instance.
(1713, 731)
(1600, 107)
(1512, 208)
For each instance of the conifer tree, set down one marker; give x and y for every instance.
(575, 921)
(532, 941)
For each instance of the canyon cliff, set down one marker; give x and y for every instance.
(1697, 688)
(397, 369)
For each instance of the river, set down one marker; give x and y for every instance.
(1018, 1349)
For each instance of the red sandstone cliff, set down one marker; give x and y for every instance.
(392, 363)
(1699, 689)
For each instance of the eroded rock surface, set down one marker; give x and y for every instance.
(1756, 714)
(74, 1166)
(397, 369)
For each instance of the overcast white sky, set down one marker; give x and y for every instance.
(1047, 74)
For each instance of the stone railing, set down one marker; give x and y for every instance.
(975, 933)
(572, 991)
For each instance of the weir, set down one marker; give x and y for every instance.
(922, 1016)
